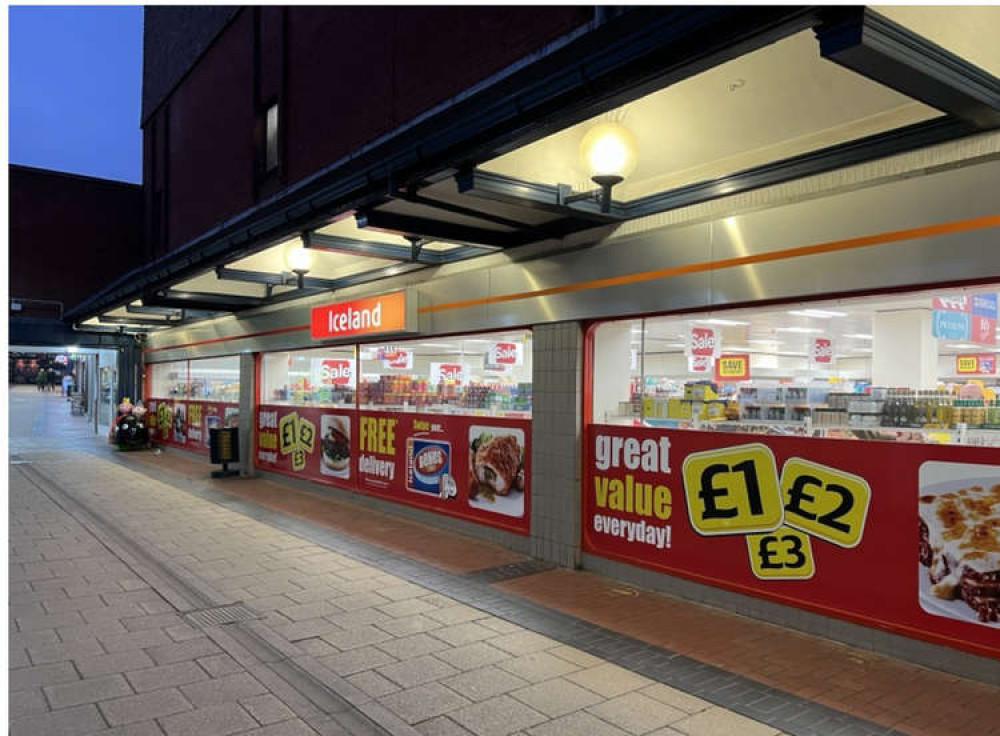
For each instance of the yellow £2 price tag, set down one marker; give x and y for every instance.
(825, 502)
(733, 490)
(307, 435)
(784, 554)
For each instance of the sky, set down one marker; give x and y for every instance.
(75, 78)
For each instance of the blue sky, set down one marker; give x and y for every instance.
(75, 76)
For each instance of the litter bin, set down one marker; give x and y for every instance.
(224, 448)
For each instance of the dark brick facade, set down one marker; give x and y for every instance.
(69, 235)
(342, 76)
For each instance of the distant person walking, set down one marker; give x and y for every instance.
(67, 384)
(41, 378)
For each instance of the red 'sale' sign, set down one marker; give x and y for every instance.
(336, 372)
(704, 341)
(822, 350)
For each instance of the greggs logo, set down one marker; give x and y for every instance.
(369, 316)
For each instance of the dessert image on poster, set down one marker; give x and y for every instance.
(428, 467)
(335, 445)
(959, 546)
(496, 469)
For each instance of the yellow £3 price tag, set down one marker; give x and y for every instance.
(784, 554)
(733, 490)
(825, 502)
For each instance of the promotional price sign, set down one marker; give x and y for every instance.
(506, 353)
(441, 372)
(732, 367)
(396, 358)
(977, 364)
(808, 522)
(700, 363)
(821, 351)
(702, 342)
(473, 468)
(337, 372)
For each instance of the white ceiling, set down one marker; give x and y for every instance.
(779, 101)
(969, 31)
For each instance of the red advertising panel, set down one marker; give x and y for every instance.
(902, 537)
(821, 350)
(983, 330)
(185, 423)
(476, 468)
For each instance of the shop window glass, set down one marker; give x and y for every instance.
(485, 374)
(168, 380)
(215, 379)
(317, 377)
(918, 367)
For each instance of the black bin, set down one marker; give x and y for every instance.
(224, 448)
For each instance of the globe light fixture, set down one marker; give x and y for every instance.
(299, 260)
(608, 155)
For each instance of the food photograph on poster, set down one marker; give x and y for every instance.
(959, 549)
(335, 443)
(496, 469)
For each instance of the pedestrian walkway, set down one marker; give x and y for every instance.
(148, 599)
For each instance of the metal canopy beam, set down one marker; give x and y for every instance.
(142, 309)
(134, 321)
(271, 279)
(202, 300)
(437, 230)
(181, 314)
(876, 47)
(542, 197)
(416, 198)
(389, 251)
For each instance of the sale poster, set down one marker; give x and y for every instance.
(808, 522)
(469, 467)
(186, 423)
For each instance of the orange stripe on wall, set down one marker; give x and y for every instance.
(865, 241)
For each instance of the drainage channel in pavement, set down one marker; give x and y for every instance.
(318, 694)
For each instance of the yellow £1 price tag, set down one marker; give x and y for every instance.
(733, 490)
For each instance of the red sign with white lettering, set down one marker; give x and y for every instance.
(368, 316)
(704, 342)
(822, 350)
(337, 372)
(983, 330)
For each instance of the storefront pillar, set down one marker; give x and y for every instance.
(904, 352)
(556, 443)
(247, 412)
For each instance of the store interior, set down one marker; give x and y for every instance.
(487, 374)
(881, 367)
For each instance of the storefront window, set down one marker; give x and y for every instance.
(168, 380)
(916, 367)
(486, 374)
(319, 377)
(189, 398)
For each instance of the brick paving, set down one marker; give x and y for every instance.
(105, 562)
